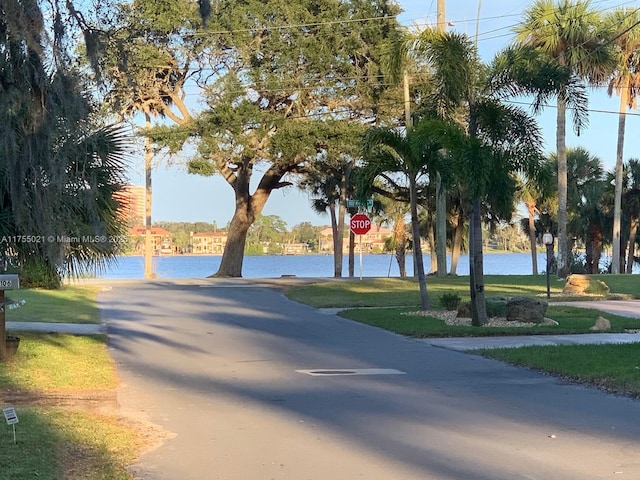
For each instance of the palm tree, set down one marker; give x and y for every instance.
(625, 83)
(329, 182)
(59, 168)
(569, 33)
(393, 212)
(586, 203)
(415, 154)
(529, 197)
(404, 56)
(499, 139)
(531, 192)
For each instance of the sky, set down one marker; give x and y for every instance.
(181, 197)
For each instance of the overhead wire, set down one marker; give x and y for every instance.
(284, 88)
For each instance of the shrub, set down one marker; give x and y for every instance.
(496, 307)
(450, 301)
(37, 274)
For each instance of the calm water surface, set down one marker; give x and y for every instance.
(271, 266)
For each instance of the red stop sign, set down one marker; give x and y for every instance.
(360, 224)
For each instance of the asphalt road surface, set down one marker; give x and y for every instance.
(224, 368)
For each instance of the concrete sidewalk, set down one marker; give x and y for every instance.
(73, 328)
(463, 344)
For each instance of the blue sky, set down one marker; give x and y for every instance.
(179, 196)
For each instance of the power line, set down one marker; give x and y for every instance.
(590, 110)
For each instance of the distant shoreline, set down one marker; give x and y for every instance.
(345, 254)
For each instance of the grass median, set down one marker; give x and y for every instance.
(384, 303)
(63, 390)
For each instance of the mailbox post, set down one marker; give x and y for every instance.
(7, 282)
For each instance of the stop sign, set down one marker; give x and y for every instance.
(360, 224)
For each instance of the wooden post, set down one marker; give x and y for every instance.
(3, 328)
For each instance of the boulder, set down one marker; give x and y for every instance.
(464, 310)
(526, 309)
(602, 325)
(584, 284)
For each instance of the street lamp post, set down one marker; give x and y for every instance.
(547, 239)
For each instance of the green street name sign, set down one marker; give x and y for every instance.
(359, 203)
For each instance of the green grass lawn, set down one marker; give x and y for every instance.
(59, 362)
(570, 320)
(614, 368)
(388, 292)
(55, 442)
(70, 304)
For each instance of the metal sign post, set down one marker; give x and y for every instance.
(360, 224)
(360, 247)
(7, 282)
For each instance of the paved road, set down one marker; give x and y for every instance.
(217, 365)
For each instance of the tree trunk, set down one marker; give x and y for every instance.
(248, 207)
(563, 254)
(531, 209)
(589, 254)
(337, 243)
(399, 236)
(593, 249)
(417, 247)
(633, 231)
(617, 203)
(598, 239)
(233, 255)
(148, 244)
(432, 247)
(457, 243)
(441, 228)
(476, 267)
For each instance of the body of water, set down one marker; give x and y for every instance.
(273, 266)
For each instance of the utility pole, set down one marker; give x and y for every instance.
(441, 194)
(441, 20)
(478, 22)
(148, 245)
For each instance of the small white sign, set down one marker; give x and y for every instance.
(10, 415)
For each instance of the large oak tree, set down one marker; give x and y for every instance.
(278, 72)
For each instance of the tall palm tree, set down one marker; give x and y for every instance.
(571, 34)
(498, 140)
(415, 154)
(626, 83)
(586, 211)
(329, 183)
(400, 58)
(393, 212)
(531, 192)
